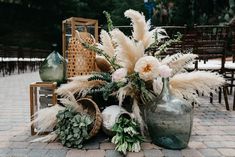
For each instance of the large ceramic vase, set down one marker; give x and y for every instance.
(169, 119)
(53, 68)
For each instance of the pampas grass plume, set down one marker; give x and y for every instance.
(128, 51)
(186, 84)
(45, 119)
(140, 27)
(107, 45)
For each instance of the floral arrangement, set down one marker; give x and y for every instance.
(133, 67)
(130, 70)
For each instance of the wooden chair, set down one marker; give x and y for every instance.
(210, 46)
(229, 67)
(172, 31)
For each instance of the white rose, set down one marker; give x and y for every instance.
(146, 67)
(164, 71)
(119, 75)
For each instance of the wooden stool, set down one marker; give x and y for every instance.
(42, 98)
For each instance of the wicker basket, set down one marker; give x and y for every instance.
(81, 61)
(94, 111)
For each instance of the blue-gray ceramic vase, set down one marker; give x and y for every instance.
(169, 119)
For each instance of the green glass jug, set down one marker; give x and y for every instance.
(53, 68)
(169, 119)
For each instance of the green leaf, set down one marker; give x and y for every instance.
(68, 145)
(76, 135)
(88, 121)
(69, 137)
(75, 124)
(82, 125)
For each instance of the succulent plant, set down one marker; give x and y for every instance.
(127, 136)
(72, 127)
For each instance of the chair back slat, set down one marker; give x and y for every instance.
(211, 43)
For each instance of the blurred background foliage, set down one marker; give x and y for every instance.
(37, 23)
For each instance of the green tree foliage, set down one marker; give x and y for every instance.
(37, 23)
(121, 6)
(180, 12)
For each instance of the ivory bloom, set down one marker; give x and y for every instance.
(164, 71)
(146, 67)
(119, 75)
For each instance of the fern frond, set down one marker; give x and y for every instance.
(101, 76)
(156, 49)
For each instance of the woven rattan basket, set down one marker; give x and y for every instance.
(93, 110)
(81, 61)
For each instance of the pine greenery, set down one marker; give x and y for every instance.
(139, 87)
(109, 21)
(102, 76)
(158, 48)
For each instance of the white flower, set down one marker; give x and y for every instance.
(119, 75)
(146, 67)
(164, 71)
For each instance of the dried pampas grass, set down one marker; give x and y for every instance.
(77, 86)
(45, 119)
(178, 61)
(184, 85)
(48, 138)
(107, 45)
(140, 27)
(70, 101)
(123, 92)
(128, 51)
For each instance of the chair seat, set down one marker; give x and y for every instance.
(190, 66)
(209, 65)
(229, 65)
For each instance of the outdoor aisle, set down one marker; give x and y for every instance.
(213, 132)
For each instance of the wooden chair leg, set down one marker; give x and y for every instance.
(211, 97)
(234, 101)
(231, 88)
(225, 92)
(220, 94)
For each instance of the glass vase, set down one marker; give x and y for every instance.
(169, 119)
(53, 68)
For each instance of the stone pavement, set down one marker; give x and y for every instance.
(213, 130)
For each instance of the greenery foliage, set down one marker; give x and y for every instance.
(109, 21)
(157, 48)
(108, 87)
(127, 136)
(72, 127)
(190, 12)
